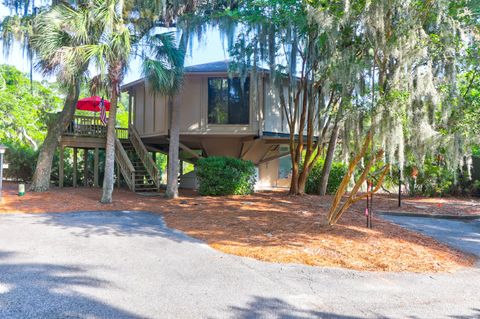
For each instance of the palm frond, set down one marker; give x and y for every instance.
(163, 64)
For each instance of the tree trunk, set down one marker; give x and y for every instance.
(294, 182)
(302, 181)
(108, 180)
(43, 170)
(327, 165)
(172, 172)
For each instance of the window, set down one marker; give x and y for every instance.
(284, 164)
(228, 101)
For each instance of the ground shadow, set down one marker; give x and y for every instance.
(41, 290)
(277, 218)
(262, 307)
(476, 315)
(275, 308)
(264, 220)
(116, 223)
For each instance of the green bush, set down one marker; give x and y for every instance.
(21, 161)
(432, 180)
(225, 176)
(337, 173)
(476, 188)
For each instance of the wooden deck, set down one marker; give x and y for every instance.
(86, 133)
(134, 164)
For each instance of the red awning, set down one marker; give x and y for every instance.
(92, 104)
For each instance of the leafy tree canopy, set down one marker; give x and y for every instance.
(24, 110)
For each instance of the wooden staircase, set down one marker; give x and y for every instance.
(143, 180)
(136, 164)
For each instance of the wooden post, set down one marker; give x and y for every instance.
(75, 153)
(118, 176)
(129, 109)
(95, 168)
(399, 188)
(85, 167)
(61, 168)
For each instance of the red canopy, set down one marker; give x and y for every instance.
(92, 104)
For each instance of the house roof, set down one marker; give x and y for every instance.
(211, 67)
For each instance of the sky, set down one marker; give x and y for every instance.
(208, 49)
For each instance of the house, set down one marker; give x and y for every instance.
(219, 116)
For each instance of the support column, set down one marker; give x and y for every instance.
(85, 167)
(61, 167)
(129, 109)
(118, 176)
(75, 157)
(95, 168)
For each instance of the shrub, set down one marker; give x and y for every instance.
(21, 161)
(476, 188)
(337, 173)
(225, 176)
(432, 180)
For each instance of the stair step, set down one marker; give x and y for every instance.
(142, 180)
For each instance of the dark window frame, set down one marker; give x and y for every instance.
(233, 103)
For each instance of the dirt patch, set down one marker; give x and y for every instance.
(269, 226)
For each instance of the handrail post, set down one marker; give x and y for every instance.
(133, 181)
(144, 155)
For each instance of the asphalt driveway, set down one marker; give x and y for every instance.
(129, 265)
(461, 234)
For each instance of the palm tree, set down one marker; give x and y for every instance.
(57, 34)
(117, 26)
(165, 74)
(111, 56)
(120, 36)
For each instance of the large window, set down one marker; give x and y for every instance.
(284, 164)
(228, 101)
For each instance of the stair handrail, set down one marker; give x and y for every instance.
(126, 166)
(144, 156)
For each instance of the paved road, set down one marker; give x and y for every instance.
(461, 234)
(129, 265)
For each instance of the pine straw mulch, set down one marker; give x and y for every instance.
(268, 226)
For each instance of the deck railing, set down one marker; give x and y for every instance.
(126, 166)
(144, 156)
(91, 126)
(122, 133)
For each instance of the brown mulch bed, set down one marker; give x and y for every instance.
(269, 226)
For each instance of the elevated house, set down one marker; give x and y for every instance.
(220, 115)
